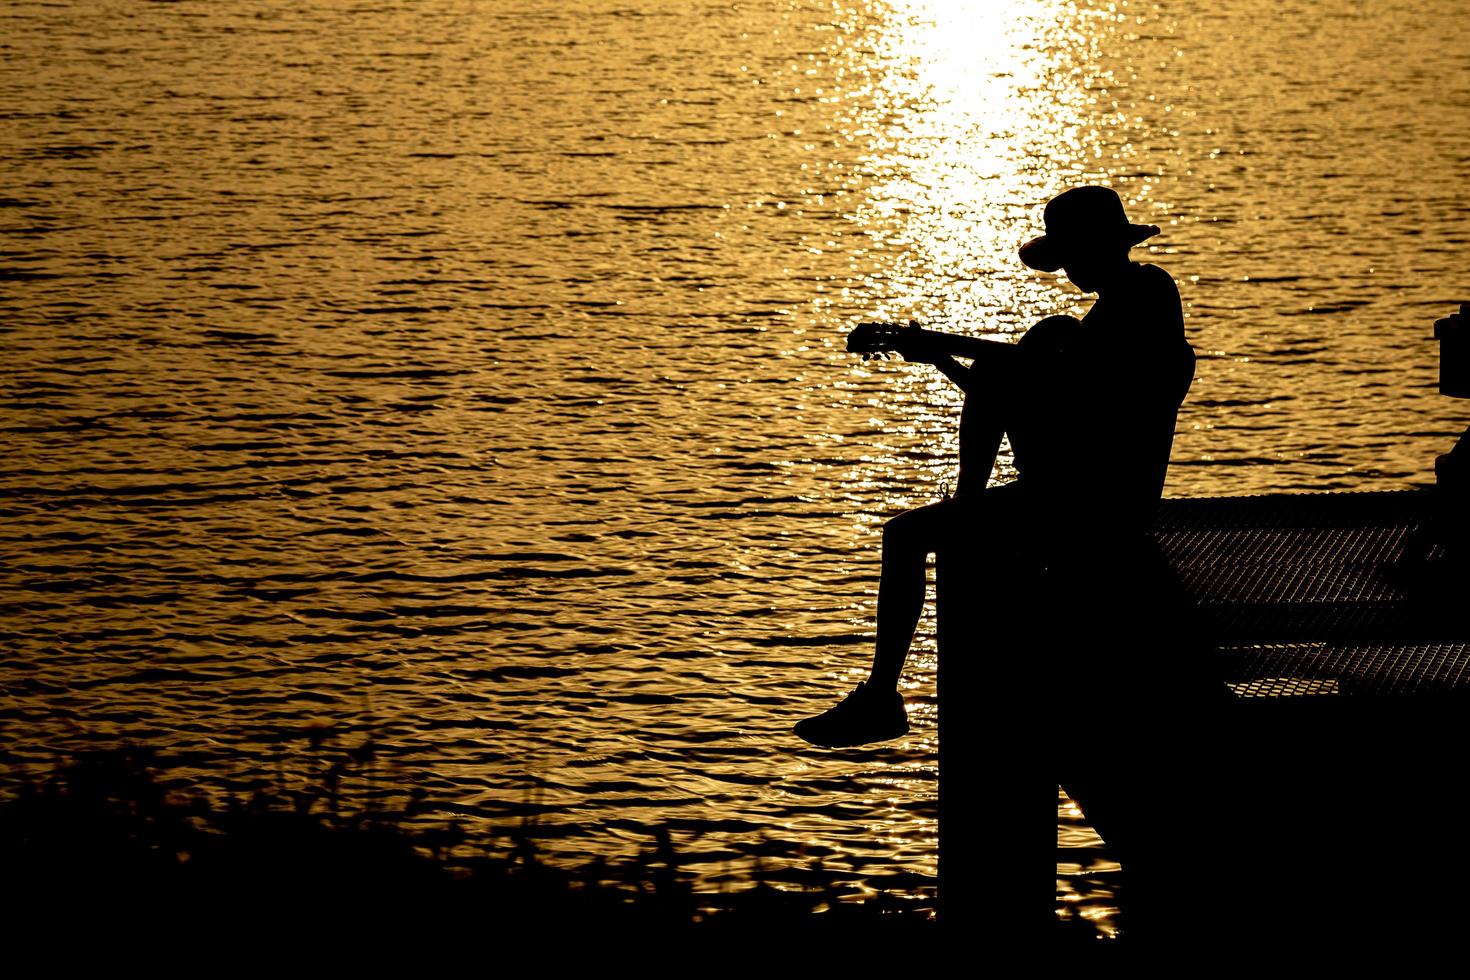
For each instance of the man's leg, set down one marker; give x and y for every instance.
(908, 540)
(874, 711)
(911, 537)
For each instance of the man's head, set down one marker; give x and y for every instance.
(1086, 233)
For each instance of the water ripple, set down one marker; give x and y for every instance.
(419, 371)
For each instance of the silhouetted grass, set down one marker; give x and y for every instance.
(101, 840)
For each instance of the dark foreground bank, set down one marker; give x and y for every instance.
(103, 842)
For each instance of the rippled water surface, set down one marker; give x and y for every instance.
(470, 374)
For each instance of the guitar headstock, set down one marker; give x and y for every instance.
(877, 339)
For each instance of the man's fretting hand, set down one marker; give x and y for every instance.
(913, 343)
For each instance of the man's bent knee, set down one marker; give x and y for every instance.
(920, 528)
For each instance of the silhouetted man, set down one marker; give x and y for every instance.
(1090, 408)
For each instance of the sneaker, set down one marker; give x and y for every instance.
(863, 716)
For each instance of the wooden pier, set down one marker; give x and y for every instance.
(1328, 785)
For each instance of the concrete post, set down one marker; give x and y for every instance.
(997, 790)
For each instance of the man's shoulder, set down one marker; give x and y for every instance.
(1153, 276)
(1154, 289)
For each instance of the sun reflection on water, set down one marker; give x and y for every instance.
(979, 114)
(974, 114)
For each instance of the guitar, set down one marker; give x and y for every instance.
(1051, 335)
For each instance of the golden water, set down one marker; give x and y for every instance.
(470, 374)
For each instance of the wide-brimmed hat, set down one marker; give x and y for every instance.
(1081, 220)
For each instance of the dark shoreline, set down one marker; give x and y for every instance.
(101, 841)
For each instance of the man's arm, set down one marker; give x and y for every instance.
(932, 346)
(963, 377)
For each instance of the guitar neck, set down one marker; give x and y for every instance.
(957, 345)
(876, 338)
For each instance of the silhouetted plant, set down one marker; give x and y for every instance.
(104, 839)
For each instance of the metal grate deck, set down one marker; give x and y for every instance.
(1310, 593)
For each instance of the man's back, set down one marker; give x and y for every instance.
(1094, 408)
(1139, 368)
